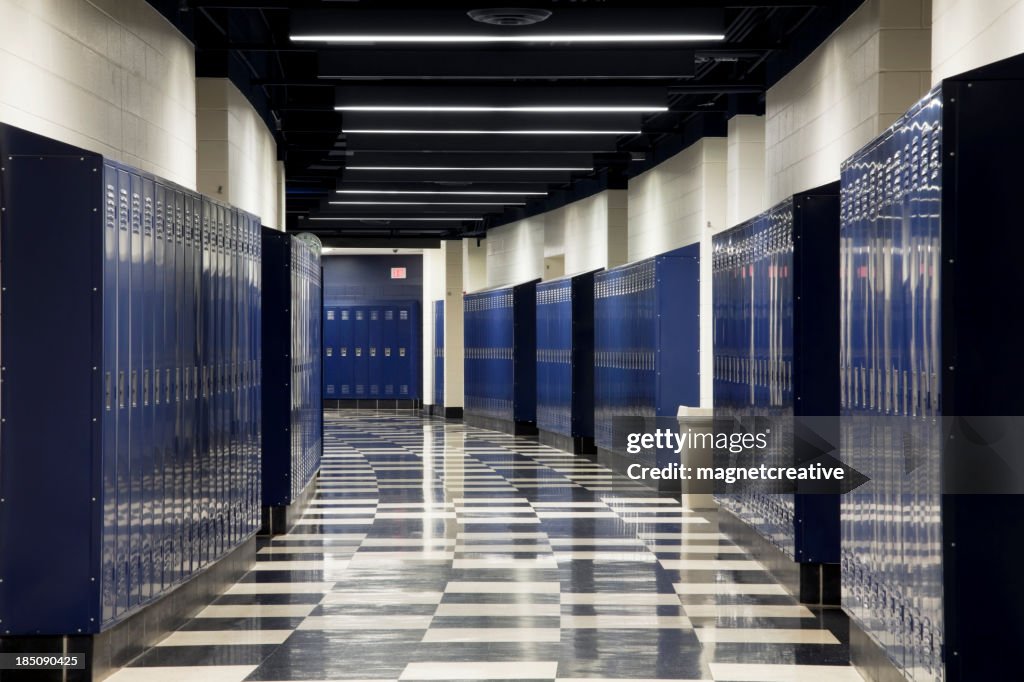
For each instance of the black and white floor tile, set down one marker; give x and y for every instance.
(437, 551)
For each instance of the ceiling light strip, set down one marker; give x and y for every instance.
(400, 131)
(425, 203)
(435, 191)
(535, 38)
(524, 109)
(519, 169)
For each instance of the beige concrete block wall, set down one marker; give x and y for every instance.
(111, 76)
(845, 93)
(967, 34)
(237, 155)
(474, 264)
(515, 252)
(744, 170)
(454, 365)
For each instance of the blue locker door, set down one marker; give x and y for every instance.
(176, 315)
(188, 351)
(220, 383)
(360, 343)
(137, 428)
(124, 284)
(346, 352)
(156, 387)
(169, 393)
(148, 310)
(330, 350)
(405, 336)
(388, 352)
(110, 406)
(375, 328)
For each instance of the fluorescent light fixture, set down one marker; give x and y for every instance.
(472, 168)
(396, 131)
(535, 38)
(435, 191)
(600, 109)
(373, 218)
(425, 203)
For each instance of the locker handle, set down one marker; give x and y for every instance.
(135, 388)
(167, 386)
(145, 387)
(108, 390)
(120, 389)
(156, 387)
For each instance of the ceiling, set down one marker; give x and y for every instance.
(401, 123)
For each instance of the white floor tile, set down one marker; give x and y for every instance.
(728, 588)
(480, 670)
(498, 610)
(764, 672)
(198, 673)
(712, 635)
(501, 562)
(256, 611)
(620, 598)
(747, 611)
(711, 565)
(392, 597)
(503, 587)
(366, 622)
(224, 637)
(436, 634)
(279, 588)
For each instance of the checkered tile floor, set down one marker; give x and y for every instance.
(436, 551)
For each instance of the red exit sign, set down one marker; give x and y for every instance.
(397, 273)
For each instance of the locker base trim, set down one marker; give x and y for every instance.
(812, 583)
(372, 404)
(513, 428)
(577, 445)
(454, 413)
(111, 649)
(279, 519)
(870, 659)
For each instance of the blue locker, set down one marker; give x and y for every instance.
(346, 352)
(124, 271)
(332, 388)
(390, 361)
(405, 374)
(111, 411)
(500, 365)
(374, 346)
(137, 427)
(360, 344)
(147, 454)
(565, 364)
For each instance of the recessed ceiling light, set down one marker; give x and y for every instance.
(524, 109)
(395, 131)
(472, 168)
(434, 191)
(528, 38)
(425, 203)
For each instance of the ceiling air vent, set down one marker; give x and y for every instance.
(509, 16)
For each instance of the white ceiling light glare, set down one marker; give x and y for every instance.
(581, 109)
(399, 218)
(536, 38)
(426, 203)
(517, 169)
(397, 131)
(436, 191)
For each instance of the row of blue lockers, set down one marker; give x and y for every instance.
(930, 257)
(155, 334)
(372, 351)
(500, 353)
(571, 355)
(141, 336)
(292, 359)
(776, 352)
